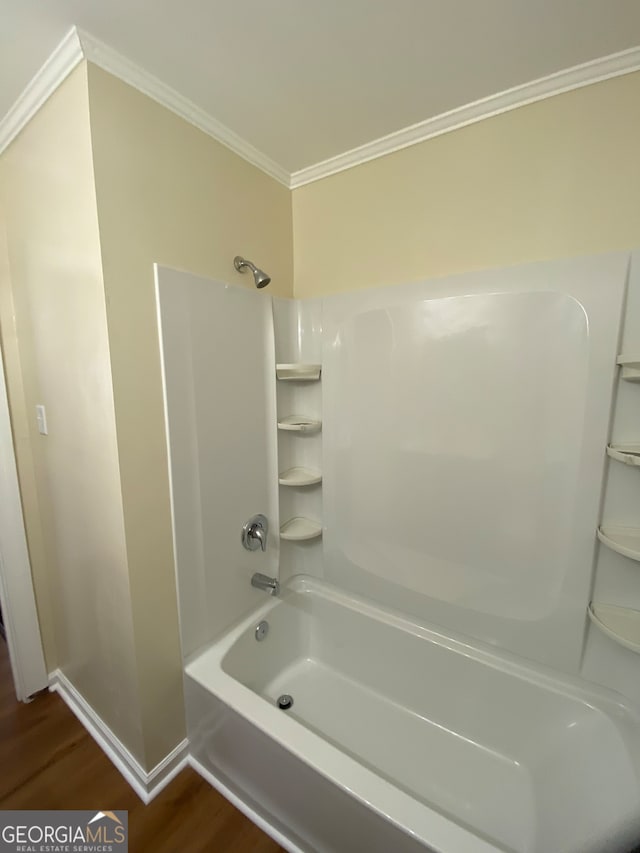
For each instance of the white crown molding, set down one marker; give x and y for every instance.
(57, 68)
(614, 65)
(78, 45)
(146, 784)
(110, 60)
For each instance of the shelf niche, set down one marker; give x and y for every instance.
(621, 624)
(299, 423)
(623, 540)
(627, 453)
(300, 529)
(630, 365)
(298, 372)
(299, 477)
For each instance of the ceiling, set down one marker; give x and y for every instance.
(306, 80)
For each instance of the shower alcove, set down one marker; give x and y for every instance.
(431, 458)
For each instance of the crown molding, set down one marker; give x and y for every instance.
(595, 71)
(55, 70)
(110, 60)
(78, 45)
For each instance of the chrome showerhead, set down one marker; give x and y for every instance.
(259, 276)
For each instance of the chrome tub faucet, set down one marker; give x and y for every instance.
(270, 585)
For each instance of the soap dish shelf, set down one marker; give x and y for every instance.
(298, 372)
(624, 540)
(630, 365)
(300, 529)
(621, 624)
(299, 477)
(299, 423)
(627, 453)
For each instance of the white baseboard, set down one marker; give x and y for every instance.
(146, 784)
(243, 807)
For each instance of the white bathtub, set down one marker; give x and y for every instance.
(402, 739)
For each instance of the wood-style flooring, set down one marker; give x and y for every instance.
(49, 761)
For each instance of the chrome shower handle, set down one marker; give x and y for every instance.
(254, 533)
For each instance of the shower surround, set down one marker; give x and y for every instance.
(447, 464)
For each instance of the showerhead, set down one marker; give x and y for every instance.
(259, 276)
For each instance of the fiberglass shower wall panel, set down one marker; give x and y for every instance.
(219, 381)
(465, 422)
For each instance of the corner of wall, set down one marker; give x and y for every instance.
(69, 478)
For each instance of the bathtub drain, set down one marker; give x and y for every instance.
(284, 702)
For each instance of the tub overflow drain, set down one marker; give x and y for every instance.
(284, 702)
(262, 629)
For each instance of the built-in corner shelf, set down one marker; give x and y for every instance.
(623, 540)
(300, 477)
(627, 453)
(299, 423)
(622, 624)
(298, 372)
(630, 365)
(299, 529)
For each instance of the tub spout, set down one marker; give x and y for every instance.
(270, 585)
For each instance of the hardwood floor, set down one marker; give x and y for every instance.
(48, 760)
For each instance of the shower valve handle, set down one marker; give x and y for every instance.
(254, 533)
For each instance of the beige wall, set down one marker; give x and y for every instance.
(57, 353)
(557, 178)
(166, 193)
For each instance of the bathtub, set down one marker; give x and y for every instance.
(403, 739)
